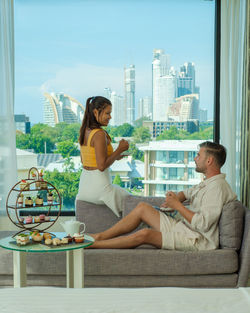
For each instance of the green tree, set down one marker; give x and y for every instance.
(141, 134)
(67, 148)
(22, 140)
(117, 180)
(66, 183)
(135, 152)
(139, 121)
(71, 132)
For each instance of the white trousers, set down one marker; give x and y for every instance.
(96, 187)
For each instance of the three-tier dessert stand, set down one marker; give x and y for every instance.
(33, 185)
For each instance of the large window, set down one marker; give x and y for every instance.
(153, 59)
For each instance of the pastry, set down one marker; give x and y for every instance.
(43, 184)
(20, 200)
(21, 219)
(24, 185)
(64, 240)
(28, 220)
(38, 184)
(28, 202)
(48, 241)
(47, 218)
(79, 238)
(37, 219)
(22, 239)
(70, 239)
(42, 217)
(37, 237)
(50, 198)
(39, 200)
(47, 236)
(56, 241)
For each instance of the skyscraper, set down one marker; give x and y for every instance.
(117, 108)
(129, 82)
(145, 107)
(186, 80)
(59, 107)
(163, 84)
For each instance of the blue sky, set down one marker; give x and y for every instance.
(81, 46)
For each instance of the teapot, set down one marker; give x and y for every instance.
(72, 227)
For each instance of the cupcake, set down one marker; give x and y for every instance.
(24, 185)
(43, 184)
(37, 219)
(33, 174)
(38, 184)
(28, 202)
(22, 239)
(42, 217)
(79, 238)
(39, 200)
(50, 198)
(20, 200)
(28, 220)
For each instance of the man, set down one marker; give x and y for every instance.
(194, 228)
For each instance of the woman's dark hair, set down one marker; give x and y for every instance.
(216, 150)
(89, 121)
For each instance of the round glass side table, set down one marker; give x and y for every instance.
(74, 258)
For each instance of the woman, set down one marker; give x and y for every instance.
(97, 155)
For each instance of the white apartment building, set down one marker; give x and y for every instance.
(118, 117)
(145, 107)
(169, 165)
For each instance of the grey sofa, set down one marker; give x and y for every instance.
(146, 266)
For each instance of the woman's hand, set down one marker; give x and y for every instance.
(123, 145)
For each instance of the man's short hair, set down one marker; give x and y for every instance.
(216, 150)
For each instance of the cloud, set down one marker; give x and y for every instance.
(84, 80)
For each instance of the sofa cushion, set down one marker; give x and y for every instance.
(97, 218)
(159, 262)
(231, 225)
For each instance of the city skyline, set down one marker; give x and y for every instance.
(49, 59)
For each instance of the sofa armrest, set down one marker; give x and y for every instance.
(244, 253)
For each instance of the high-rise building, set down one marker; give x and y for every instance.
(117, 107)
(186, 80)
(22, 123)
(163, 84)
(145, 107)
(184, 108)
(59, 107)
(129, 82)
(203, 115)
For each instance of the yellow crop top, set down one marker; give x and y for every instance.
(88, 152)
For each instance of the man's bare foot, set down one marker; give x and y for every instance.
(96, 236)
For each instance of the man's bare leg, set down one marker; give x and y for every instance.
(148, 236)
(143, 212)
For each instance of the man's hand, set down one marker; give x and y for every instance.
(172, 201)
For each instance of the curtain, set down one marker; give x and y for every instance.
(245, 124)
(8, 164)
(233, 32)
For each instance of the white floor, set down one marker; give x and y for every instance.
(112, 300)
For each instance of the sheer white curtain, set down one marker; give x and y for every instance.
(8, 166)
(233, 26)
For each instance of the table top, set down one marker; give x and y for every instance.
(10, 244)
